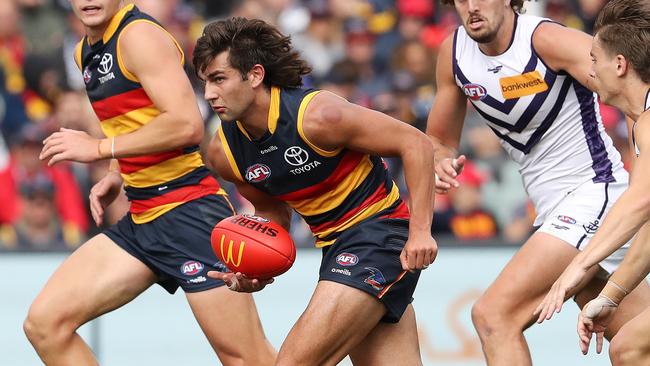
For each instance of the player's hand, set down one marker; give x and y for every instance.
(568, 281)
(103, 193)
(238, 282)
(70, 145)
(594, 318)
(419, 252)
(446, 172)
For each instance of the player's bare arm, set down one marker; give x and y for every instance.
(630, 212)
(445, 121)
(332, 123)
(570, 55)
(149, 53)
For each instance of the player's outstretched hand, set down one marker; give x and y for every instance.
(594, 318)
(238, 282)
(70, 145)
(447, 171)
(418, 252)
(568, 281)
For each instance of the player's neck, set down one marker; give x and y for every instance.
(633, 103)
(503, 38)
(256, 119)
(95, 34)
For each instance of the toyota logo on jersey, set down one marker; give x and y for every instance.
(257, 173)
(106, 64)
(474, 91)
(296, 155)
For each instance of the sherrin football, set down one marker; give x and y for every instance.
(253, 245)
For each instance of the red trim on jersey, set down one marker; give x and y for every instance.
(349, 162)
(121, 103)
(377, 196)
(400, 212)
(130, 165)
(206, 186)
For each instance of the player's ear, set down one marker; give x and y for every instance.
(621, 65)
(256, 75)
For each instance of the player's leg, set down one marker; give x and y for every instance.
(361, 284)
(230, 322)
(631, 345)
(97, 278)
(505, 309)
(337, 318)
(390, 344)
(228, 319)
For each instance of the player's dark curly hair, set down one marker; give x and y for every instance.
(623, 28)
(251, 42)
(516, 5)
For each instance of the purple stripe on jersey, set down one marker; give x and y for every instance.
(544, 126)
(504, 107)
(600, 215)
(530, 111)
(600, 160)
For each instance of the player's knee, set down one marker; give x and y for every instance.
(487, 318)
(482, 316)
(625, 351)
(43, 326)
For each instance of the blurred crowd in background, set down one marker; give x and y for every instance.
(377, 53)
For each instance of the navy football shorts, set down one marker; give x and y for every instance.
(366, 257)
(176, 245)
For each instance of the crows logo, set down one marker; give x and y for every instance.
(376, 279)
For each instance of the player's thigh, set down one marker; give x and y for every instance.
(96, 278)
(337, 318)
(390, 344)
(528, 276)
(228, 318)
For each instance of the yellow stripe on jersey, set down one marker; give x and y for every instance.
(228, 152)
(115, 22)
(335, 197)
(301, 113)
(391, 198)
(164, 171)
(77, 54)
(129, 122)
(154, 213)
(274, 109)
(128, 74)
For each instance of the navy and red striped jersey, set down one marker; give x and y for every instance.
(154, 183)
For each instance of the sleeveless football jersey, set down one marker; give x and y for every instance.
(331, 190)
(154, 183)
(547, 121)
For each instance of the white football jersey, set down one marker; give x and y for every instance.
(547, 121)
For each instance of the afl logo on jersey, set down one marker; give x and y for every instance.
(474, 91)
(296, 155)
(191, 268)
(347, 259)
(567, 219)
(106, 64)
(87, 75)
(257, 173)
